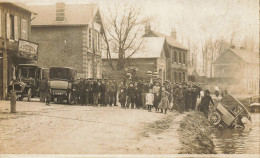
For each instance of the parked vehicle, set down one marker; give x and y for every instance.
(62, 83)
(27, 81)
(229, 113)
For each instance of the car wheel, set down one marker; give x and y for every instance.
(29, 94)
(21, 98)
(215, 118)
(69, 99)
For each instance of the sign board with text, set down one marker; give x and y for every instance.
(27, 47)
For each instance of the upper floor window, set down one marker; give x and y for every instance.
(184, 58)
(24, 29)
(172, 55)
(90, 38)
(180, 57)
(175, 56)
(0, 23)
(9, 26)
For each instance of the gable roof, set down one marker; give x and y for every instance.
(74, 14)
(192, 71)
(170, 40)
(151, 47)
(237, 56)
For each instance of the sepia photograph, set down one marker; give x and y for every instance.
(129, 78)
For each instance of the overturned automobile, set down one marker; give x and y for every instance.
(230, 113)
(62, 84)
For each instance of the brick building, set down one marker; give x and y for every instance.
(151, 57)
(69, 36)
(177, 64)
(15, 47)
(237, 69)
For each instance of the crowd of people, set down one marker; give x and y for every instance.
(141, 94)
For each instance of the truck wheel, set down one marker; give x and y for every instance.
(29, 94)
(69, 99)
(215, 118)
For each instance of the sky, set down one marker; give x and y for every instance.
(196, 20)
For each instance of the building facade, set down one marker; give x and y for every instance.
(15, 45)
(177, 63)
(237, 69)
(69, 36)
(151, 57)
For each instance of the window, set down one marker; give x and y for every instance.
(184, 77)
(9, 26)
(0, 23)
(175, 56)
(172, 53)
(24, 29)
(184, 58)
(180, 57)
(89, 38)
(97, 41)
(16, 36)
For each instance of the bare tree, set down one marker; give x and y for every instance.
(123, 26)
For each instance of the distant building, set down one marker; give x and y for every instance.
(151, 57)
(238, 70)
(69, 36)
(177, 63)
(193, 75)
(15, 45)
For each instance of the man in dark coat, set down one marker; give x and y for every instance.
(95, 91)
(205, 101)
(131, 95)
(110, 92)
(103, 93)
(115, 92)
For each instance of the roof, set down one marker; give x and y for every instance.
(238, 55)
(17, 4)
(151, 47)
(74, 15)
(170, 40)
(192, 71)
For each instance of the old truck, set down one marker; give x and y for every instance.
(62, 84)
(230, 113)
(27, 81)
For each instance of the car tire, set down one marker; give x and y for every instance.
(29, 93)
(69, 98)
(215, 118)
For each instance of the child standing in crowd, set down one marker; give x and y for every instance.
(149, 100)
(164, 104)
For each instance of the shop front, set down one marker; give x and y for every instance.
(11, 55)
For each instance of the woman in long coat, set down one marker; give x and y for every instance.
(164, 104)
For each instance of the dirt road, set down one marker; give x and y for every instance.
(56, 129)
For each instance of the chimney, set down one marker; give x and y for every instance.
(174, 34)
(147, 28)
(60, 11)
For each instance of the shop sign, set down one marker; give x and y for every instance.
(27, 47)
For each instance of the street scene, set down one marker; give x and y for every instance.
(138, 78)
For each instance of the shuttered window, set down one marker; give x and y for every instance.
(24, 29)
(8, 29)
(16, 36)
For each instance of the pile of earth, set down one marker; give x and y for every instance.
(195, 134)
